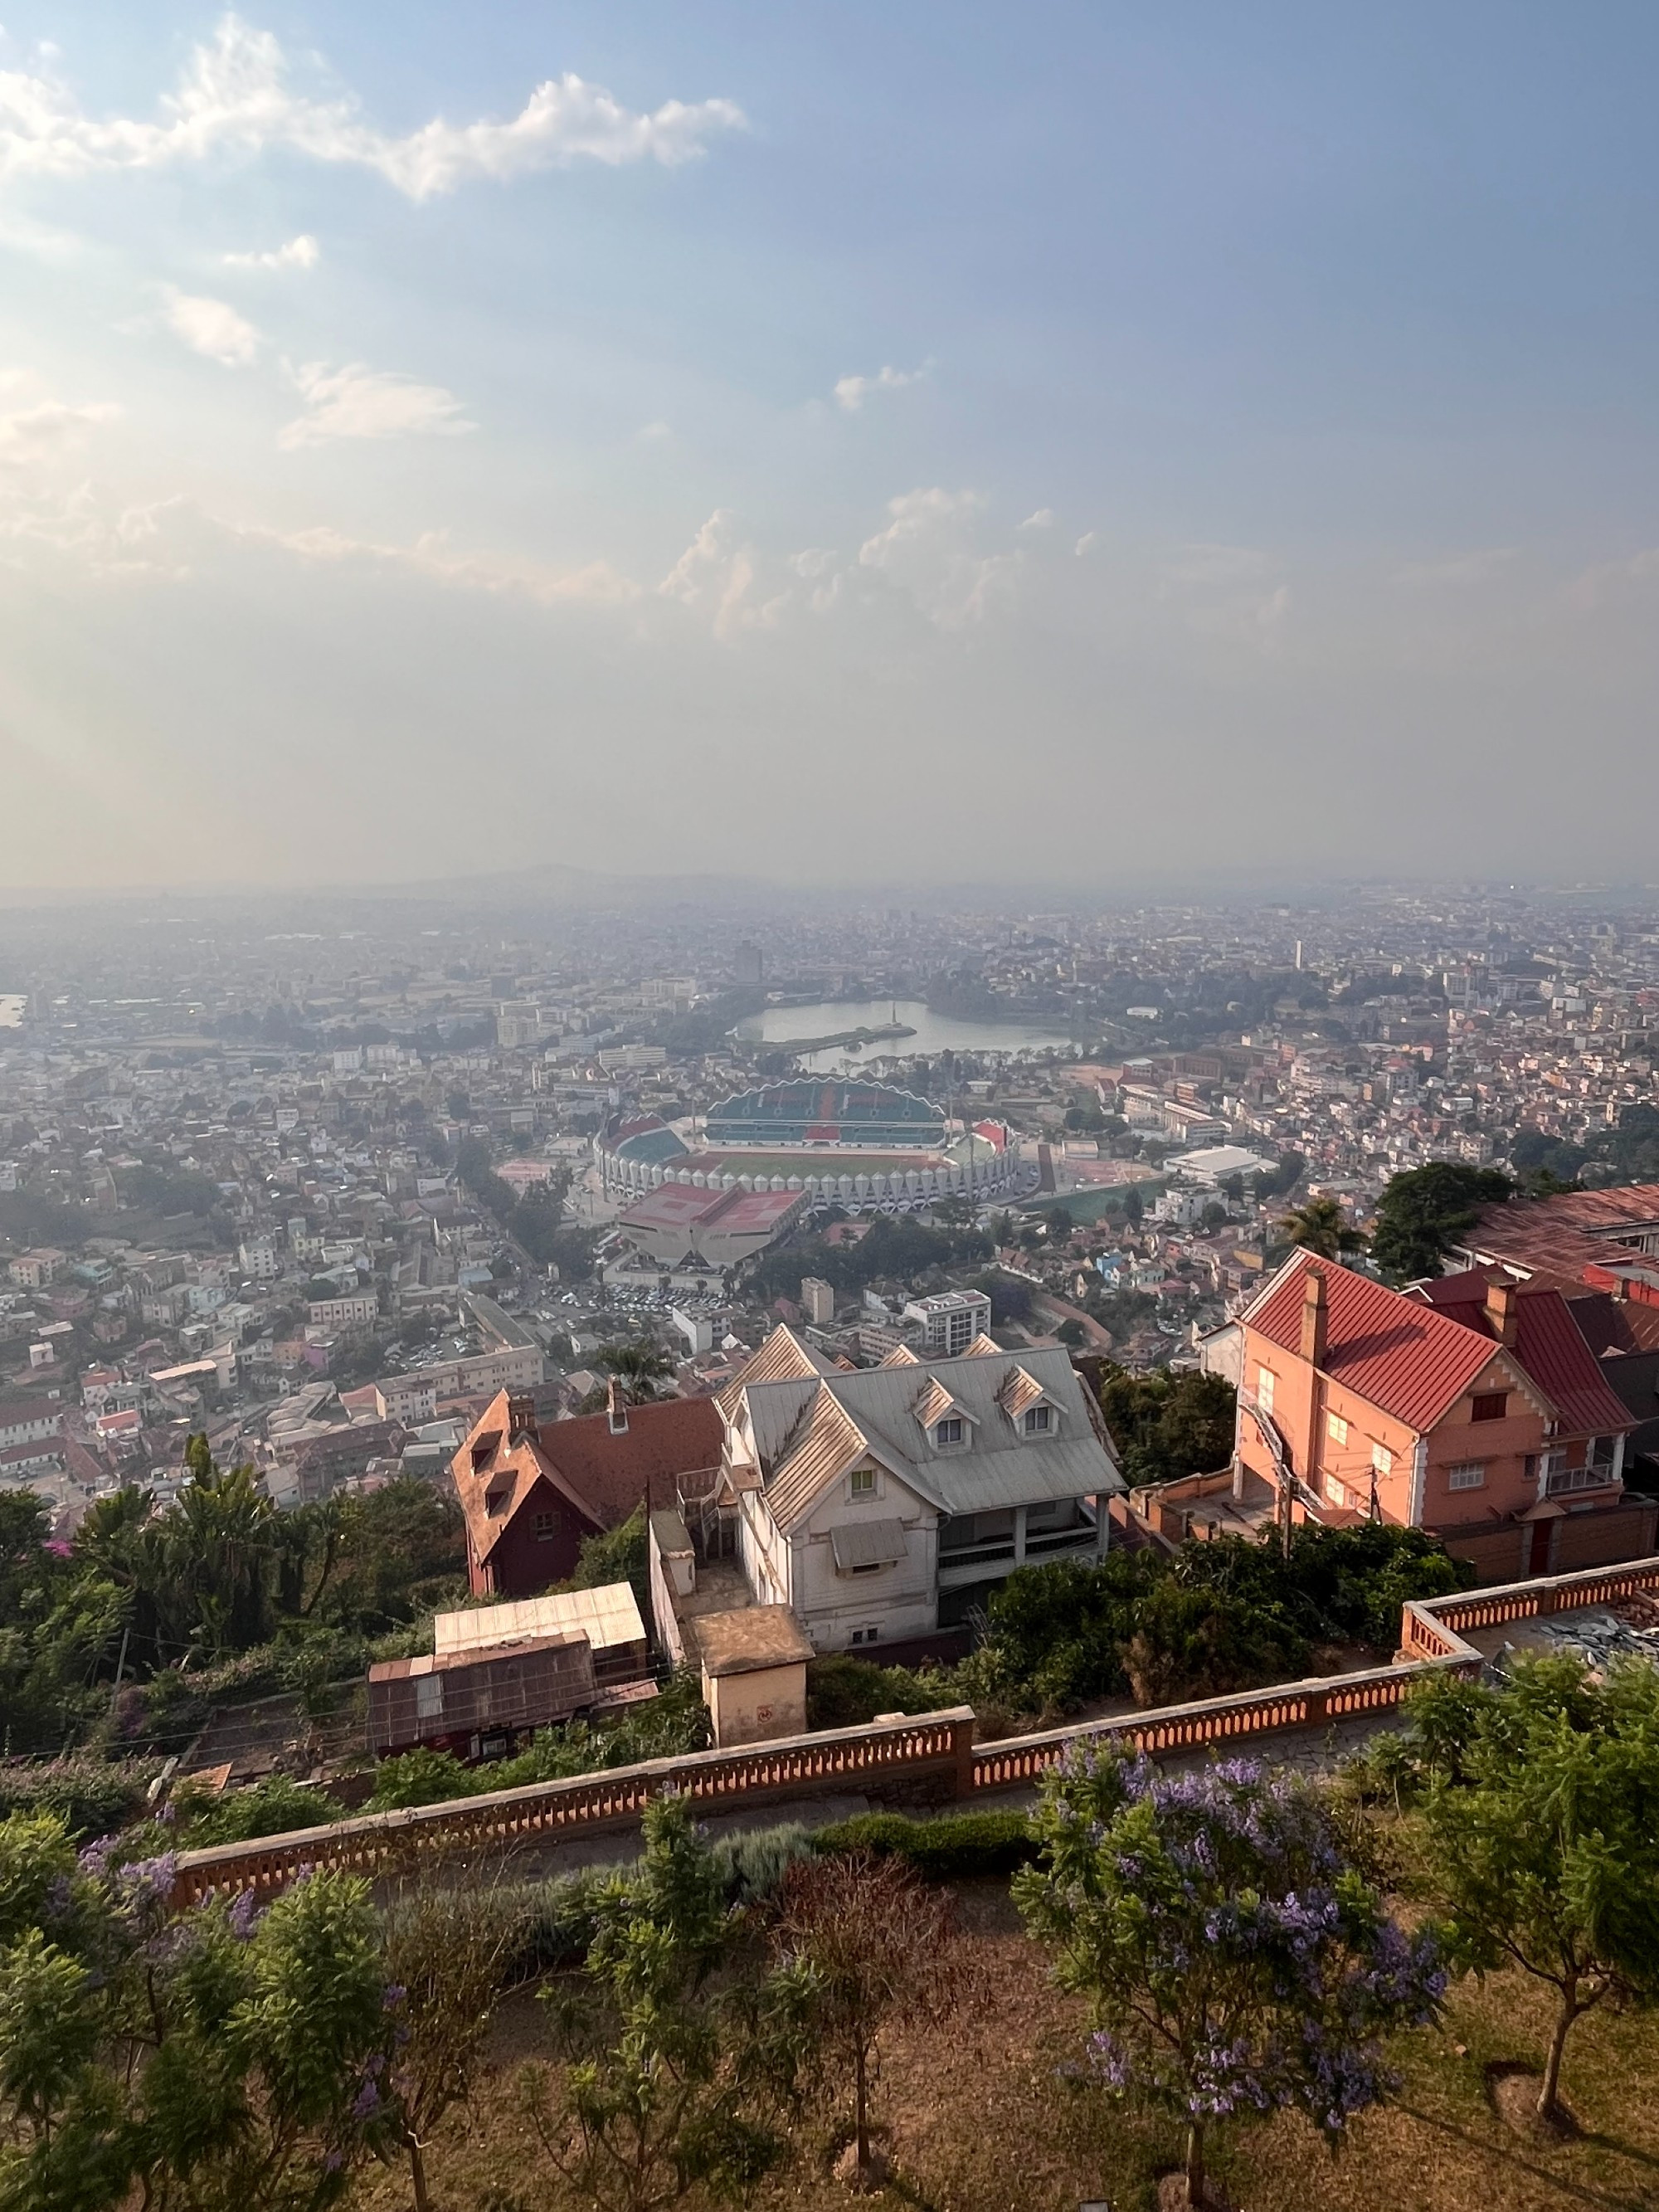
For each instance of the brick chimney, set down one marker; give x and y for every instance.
(1316, 1317)
(520, 1417)
(616, 1408)
(1503, 1311)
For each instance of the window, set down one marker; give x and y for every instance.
(1264, 1389)
(865, 1635)
(1489, 1406)
(1038, 1420)
(1471, 1476)
(1336, 1428)
(1334, 1492)
(1382, 1460)
(861, 1483)
(949, 1431)
(548, 1525)
(1598, 1453)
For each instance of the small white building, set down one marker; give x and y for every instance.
(950, 1321)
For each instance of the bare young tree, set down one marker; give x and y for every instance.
(882, 1946)
(445, 1952)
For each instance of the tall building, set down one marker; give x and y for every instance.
(950, 1321)
(818, 1301)
(748, 963)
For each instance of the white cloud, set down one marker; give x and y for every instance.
(714, 576)
(926, 551)
(1086, 543)
(210, 327)
(234, 95)
(359, 402)
(301, 252)
(852, 391)
(1044, 518)
(596, 583)
(652, 434)
(31, 437)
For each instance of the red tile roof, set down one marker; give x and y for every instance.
(1547, 1344)
(1397, 1353)
(675, 1436)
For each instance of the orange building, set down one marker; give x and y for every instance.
(1471, 1408)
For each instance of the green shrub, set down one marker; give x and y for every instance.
(842, 1692)
(274, 1807)
(91, 1796)
(952, 1848)
(1189, 1643)
(753, 1862)
(425, 1776)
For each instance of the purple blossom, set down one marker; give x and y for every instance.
(392, 1996)
(366, 2100)
(245, 1914)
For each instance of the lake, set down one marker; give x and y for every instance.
(934, 1033)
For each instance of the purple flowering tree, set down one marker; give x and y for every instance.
(1235, 1963)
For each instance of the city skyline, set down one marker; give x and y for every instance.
(1232, 443)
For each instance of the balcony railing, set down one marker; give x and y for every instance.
(1563, 1478)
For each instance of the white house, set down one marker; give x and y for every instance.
(880, 1504)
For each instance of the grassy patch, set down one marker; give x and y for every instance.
(984, 2119)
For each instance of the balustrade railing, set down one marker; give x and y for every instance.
(934, 1751)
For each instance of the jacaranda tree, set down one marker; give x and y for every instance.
(1235, 1963)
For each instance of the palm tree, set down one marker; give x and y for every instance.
(1320, 1226)
(637, 1367)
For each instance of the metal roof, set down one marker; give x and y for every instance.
(867, 1544)
(1396, 1353)
(607, 1616)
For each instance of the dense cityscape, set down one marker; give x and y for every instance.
(828, 1108)
(322, 1191)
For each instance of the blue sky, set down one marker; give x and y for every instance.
(1115, 440)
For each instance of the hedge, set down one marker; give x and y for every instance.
(952, 1848)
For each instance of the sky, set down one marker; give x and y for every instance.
(848, 444)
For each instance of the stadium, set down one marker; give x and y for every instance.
(866, 1147)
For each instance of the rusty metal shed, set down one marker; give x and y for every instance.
(450, 1699)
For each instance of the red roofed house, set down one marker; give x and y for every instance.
(1471, 1408)
(529, 1492)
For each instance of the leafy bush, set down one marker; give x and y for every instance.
(842, 1692)
(422, 1777)
(274, 1807)
(753, 1862)
(954, 1847)
(91, 1797)
(1190, 1643)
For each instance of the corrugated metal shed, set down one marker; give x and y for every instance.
(441, 1698)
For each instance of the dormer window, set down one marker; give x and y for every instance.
(1038, 1420)
(949, 1431)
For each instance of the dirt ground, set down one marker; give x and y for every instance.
(983, 2118)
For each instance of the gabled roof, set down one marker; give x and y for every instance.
(1547, 1344)
(602, 1474)
(1398, 1354)
(901, 1356)
(781, 1356)
(1020, 1389)
(872, 1415)
(935, 1402)
(982, 1347)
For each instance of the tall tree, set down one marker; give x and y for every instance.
(1235, 1963)
(1424, 1212)
(674, 2075)
(1543, 1832)
(880, 1946)
(1320, 1226)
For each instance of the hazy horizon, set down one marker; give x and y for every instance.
(819, 448)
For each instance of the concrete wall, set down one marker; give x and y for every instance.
(755, 1708)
